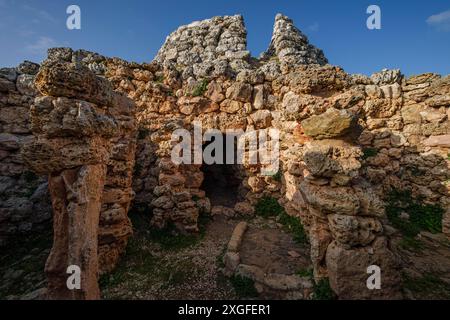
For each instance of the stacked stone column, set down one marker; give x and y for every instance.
(77, 125)
(346, 215)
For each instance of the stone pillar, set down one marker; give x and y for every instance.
(76, 199)
(75, 123)
(346, 231)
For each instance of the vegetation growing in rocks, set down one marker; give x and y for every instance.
(277, 176)
(369, 153)
(170, 239)
(150, 269)
(159, 79)
(294, 226)
(306, 273)
(422, 217)
(427, 286)
(244, 286)
(201, 88)
(269, 207)
(147, 264)
(322, 290)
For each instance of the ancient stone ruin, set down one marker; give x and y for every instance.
(92, 136)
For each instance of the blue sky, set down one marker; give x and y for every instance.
(415, 35)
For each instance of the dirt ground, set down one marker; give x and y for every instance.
(164, 266)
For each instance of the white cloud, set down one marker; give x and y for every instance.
(441, 21)
(40, 46)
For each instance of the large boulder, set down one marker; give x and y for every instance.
(347, 271)
(338, 200)
(331, 124)
(325, 158)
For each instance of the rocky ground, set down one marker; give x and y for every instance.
(426, 267)
(159, 265)
(163, 266)
(22, 266)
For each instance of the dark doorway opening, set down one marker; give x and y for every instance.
(222, 181)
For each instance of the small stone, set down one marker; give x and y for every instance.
(294, 254)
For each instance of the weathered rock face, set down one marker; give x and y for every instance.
(291, 46)
(25, 203)
(82, 128)
(76, 199)
(212, 47)
(331, 124)
(347, 270)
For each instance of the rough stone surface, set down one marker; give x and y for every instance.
(331, 124)
(345, 142)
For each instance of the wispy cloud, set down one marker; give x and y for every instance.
(440, 21)
(40, 46)
(39, 14)
(25, 32)
(314, 27)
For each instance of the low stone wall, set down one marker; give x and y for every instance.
(406, 137)
(25, 203)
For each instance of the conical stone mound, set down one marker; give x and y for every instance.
(291, 46)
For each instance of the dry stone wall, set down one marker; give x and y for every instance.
(345, 142)
(25, 203)
(406, 137)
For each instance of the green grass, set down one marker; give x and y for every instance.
(268, 207)
(244, 287)
(422, 217)
(168, 238)
(140, 268)
(201, 88)
(277, 176)
(427, 286)
(369, 153)
(410, 243)
(323, 291)
(306, 273)
(159, 79)
(294, 226)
